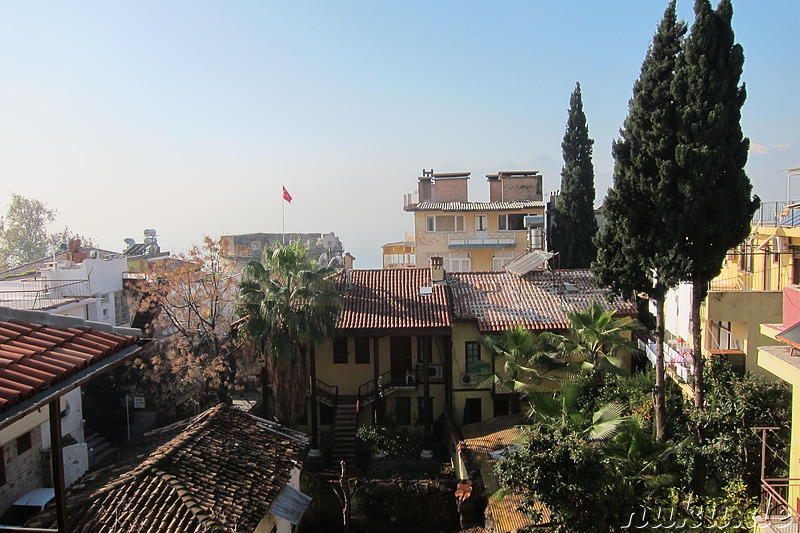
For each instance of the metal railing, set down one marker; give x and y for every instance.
(327, 394)
(43, 293)
(786, 214)
(774, 507)
(478, 239)
(678, 356)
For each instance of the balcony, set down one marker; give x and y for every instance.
(481, 240)
(775, 512)
(42, 294)
(677, 357)
(783, 214)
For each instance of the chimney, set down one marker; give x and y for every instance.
(495, 188)
(425, 187)
(437, 270)
(73, 251)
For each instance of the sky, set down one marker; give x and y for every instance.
(189, 116)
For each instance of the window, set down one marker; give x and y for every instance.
(511, 221)
(721, 332)
(340, 350)
(472, 353)
(423, 347)
(402, 411)
(500, 259)
(362, 350)
(456, 262)
(121, 314)
(24, 443)
(445, 223)
(481, 222)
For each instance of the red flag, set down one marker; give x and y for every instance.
(286, 195)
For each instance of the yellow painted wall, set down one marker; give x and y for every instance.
(746, 311)
(480, 258)
(464, 332)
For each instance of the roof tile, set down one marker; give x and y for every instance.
(33, 356)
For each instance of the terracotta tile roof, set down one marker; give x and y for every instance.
(391, 300)
(499, 301)
(34, 356)
(474, 206)
(220, 472)
(481, 440)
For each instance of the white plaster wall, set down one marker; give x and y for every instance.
(72, 423)
(678, 311)
(76, 462)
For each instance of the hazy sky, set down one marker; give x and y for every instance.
(187, 117)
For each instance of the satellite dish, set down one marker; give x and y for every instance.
(149, 233)
(130, 242)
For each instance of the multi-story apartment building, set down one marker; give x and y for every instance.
(476, 236)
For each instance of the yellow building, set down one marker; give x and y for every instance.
(747, 293)
(476, 236)
(783, 361)
(405, 335)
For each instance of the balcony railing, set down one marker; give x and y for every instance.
(786, 214)
(41, 294)
(775, 511)
(481, 240)
(678, 356)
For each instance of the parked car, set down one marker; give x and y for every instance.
(24, 508)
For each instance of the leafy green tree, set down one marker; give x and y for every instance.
(521, 361)
(595, 340)
(576, 225)
(638, 249)
(716, 202)
(289, 306)
(23, 231)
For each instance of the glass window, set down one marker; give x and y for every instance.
(362, 350)
(472, 352)
(481, 223)
(340, 350)
(445, 223)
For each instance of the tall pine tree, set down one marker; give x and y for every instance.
(638, 249)
(711, 153)
(575, 224)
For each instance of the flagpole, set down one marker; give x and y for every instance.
(283, 219)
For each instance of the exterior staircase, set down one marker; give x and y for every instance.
(344, 430)
(98, 447)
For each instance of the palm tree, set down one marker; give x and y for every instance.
(290, 306)
(521, 360)
(596, 339)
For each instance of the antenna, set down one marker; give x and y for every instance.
(149, 233)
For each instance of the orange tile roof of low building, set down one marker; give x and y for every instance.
(382, 300)
(34, 356)
(499, 301)
(220, 472)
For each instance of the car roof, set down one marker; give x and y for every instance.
(37, 497)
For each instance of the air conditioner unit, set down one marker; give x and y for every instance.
(435, 372)
(469, 379)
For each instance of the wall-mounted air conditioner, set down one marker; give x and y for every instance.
(468, 378)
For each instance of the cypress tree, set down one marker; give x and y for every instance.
(717, 205)
(575, 222)
(638, 250)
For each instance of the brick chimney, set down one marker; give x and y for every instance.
(495, 188)
(426, 186)
(451, 187)
(73, 251)
(520, 185)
